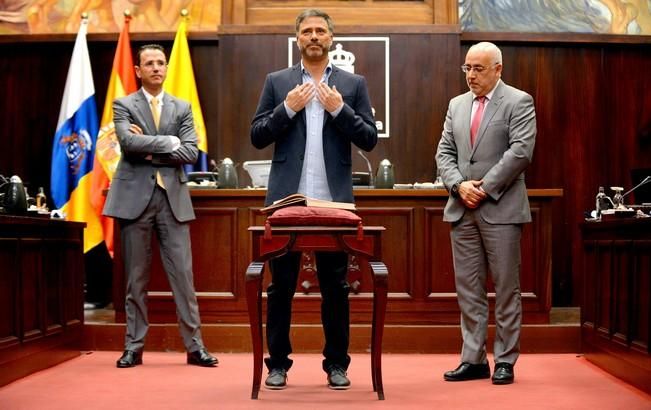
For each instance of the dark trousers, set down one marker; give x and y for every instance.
(331, 273)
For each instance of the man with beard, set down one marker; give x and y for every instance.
(312, 112)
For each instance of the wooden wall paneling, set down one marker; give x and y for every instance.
(615, 310)
(244, 62)
(31, 289)
(43, 285)
(591, 119)
(415, 128)
(622, 295)
(9, 285)
(424, 77)
(603, 277)
(368, 12)
(72, 283)
(640, 328)
(415, 247)
(54, 269)
(398, 253)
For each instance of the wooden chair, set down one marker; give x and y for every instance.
(274, 240)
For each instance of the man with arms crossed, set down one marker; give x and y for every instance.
(149, 193)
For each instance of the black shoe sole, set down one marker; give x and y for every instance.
(206, 364)
(451, 379)
(266, 386)
(502, 382)
(126, 366)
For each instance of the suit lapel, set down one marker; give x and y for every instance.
(467, 118)
(296, 78)
(145, 117)
(489, 112)
(332, 81)
(167, 113)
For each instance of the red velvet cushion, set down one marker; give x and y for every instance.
(309, 215)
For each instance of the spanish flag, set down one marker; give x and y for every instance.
(180, 83)
(74, 144)
(107, 149)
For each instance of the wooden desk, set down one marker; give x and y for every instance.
(616, 307)
(277, 241)
(415, 248)
(41, 294)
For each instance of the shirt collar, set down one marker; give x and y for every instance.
(489, 95)
(326, 72)
(149, 96)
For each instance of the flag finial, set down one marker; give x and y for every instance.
(127, 13)
(84, 15)
(184, 12)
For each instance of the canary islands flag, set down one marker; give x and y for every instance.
(107, 149)
(74, 144)
(180, 83)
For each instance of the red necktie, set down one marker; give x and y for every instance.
(476, 120)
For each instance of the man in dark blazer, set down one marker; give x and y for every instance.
(487, 142)
(312, 112)
(149, 193)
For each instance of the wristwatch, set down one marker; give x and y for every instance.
(454, 191)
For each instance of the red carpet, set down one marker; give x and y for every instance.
(164, 381)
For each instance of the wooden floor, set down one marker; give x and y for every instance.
(562, 335)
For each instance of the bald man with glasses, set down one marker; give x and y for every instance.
(487, 142)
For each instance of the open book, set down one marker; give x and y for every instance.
(300, 199)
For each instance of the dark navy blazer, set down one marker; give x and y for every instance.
(271, 124)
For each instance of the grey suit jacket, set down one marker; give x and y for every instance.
(503, 149)
(271, 124)
(135, 177)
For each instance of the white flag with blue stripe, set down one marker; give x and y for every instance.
(74, 144)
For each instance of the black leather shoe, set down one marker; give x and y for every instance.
(129, 358)
(337, 379)
(468, 371)
(201, 357)
(277, 379)
(503, 373)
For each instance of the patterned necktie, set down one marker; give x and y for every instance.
(476, 120)
(154, 111)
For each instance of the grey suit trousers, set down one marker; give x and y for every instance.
(176, 256)
(478, 247)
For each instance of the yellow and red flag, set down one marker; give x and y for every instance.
(181, 84)
(107, 151)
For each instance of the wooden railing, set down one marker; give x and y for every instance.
(362, 12)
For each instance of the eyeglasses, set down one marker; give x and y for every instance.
(466, 68)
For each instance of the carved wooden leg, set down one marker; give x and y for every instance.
(380, 291)
(254, 302)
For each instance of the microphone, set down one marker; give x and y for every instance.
(371, 177)
(644, 182)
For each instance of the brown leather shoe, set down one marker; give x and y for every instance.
(202, 358)
(468, 371)
(503, 373)
(129, 358)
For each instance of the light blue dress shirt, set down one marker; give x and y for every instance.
(314, 180)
